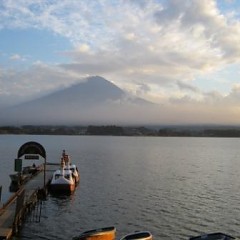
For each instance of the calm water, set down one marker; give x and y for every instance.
(173, 187)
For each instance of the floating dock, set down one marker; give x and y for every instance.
(14, 211)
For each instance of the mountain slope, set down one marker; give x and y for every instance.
(93, 91)
(95, 100)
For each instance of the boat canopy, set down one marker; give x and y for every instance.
(32, 148)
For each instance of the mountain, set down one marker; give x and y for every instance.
(93, 101)
(94, 90)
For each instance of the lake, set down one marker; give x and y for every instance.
(173, 187)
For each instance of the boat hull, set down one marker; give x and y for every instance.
(143, 235)
(62, 182)
(62, 188)
(213, 236)
(107, 233)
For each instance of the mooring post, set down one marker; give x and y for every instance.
(19, 210)
(44, 169)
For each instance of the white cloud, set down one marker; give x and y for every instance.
(83, 48)
(146, 47)
(17, 57)
(36, 81)
(193, 42)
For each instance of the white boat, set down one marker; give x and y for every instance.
(141, 235)
(70, 166)
(62, 180)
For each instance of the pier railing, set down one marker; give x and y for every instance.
(25, 204)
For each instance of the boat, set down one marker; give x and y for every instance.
(107, 233)
(70, 166)
(141, 235)
(62, 181)
(213, 236)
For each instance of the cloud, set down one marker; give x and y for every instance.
(83, 48)
(17, 57)
(197, 39)
(153, 48)
(36, 81)
(202, 20)
(143, 89)
(179, 34)
(76, 20)
(189, 87)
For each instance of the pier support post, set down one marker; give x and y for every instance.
(44, 169)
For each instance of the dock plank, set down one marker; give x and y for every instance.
(6, 222)
(5, 233)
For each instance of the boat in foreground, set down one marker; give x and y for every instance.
(107, 233)
(213, 236)
(142, 235)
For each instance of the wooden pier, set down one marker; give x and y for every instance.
(14, 211)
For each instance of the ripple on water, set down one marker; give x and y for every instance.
(172, 187)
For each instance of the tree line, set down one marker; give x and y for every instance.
(114, 130)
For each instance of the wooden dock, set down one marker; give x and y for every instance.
(13, 212)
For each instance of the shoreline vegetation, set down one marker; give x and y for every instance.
(113, 130)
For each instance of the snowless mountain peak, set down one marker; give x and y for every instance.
(95, 100)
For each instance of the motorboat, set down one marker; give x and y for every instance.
(71, 167)
(62, 180)
(107, 233)
(213, 236)
(141, 235)
(65, 179)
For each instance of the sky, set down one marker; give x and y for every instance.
(183, 55)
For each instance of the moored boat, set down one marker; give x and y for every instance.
(62, 180)
(213, 236)
(107, 233)
(141, 235)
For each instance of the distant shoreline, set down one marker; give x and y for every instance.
(113, 130)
